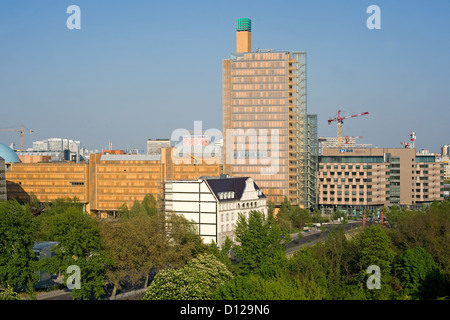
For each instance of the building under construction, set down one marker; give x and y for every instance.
(267, 132)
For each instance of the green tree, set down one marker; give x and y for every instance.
(376, 249)
(9, 294)
(428, 229)
(17, 259)
(222, 253)
(123, 211)
(270, 210)
(143, 242)
(420, 275)
(260, 248)
(254, 287)
(283, 218)
(330, 255)
(79, 243)
(304, 264)
(150, 205)
(198, 280)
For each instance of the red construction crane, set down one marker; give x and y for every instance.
(340, 121)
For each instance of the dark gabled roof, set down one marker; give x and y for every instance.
(230, 184)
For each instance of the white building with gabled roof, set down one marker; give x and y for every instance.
(213, 204)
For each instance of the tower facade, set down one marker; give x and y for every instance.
(268, 134)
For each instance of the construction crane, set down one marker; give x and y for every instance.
(21, 134)
(340, 121)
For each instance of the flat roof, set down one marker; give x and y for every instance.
(130, 157)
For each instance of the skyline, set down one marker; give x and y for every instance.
(140, 70)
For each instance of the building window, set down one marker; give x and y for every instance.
(76, 183)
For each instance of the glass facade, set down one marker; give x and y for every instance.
(351, 159)
(259, 107)
(425, 159)
(264, 96)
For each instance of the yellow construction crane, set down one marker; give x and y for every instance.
(21, 134)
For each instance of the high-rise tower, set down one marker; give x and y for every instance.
(267, 133)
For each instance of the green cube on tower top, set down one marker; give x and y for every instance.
(244, 24)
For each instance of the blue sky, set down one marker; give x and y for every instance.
(141, 69)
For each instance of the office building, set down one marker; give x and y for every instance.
(267, 133)
(104, 183)
(48, 181)
(213, 204)
(356, 179)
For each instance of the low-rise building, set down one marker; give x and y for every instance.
(213, 204)
(104, 183)
(44, 250)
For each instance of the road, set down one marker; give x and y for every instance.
(313, 236)
(55, 295)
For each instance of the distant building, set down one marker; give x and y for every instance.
(445, 150)
(356, 179)
(446, 191)
(213, 204)
(447, 170)
(58, 148)
(155, 146)
(2, 179)
(113, 152)
(44, 250)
